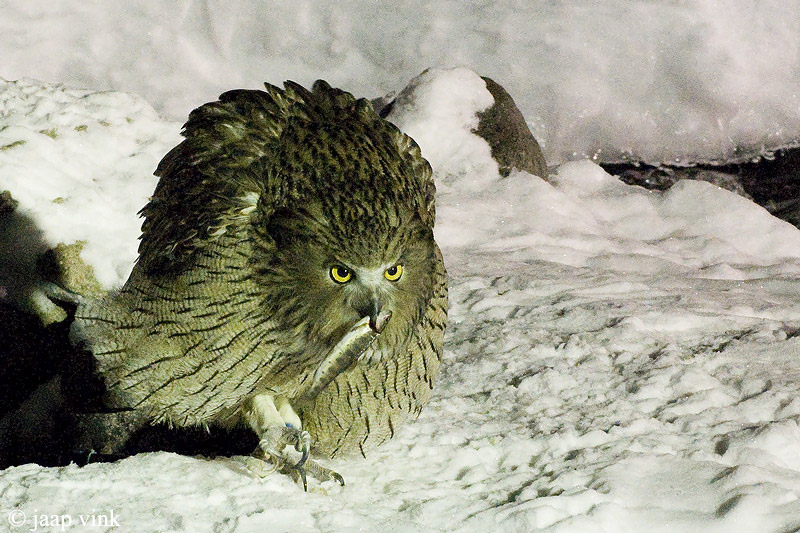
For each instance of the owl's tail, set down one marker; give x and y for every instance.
(102, 424)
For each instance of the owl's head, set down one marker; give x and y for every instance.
(322, 278)
(353, 234)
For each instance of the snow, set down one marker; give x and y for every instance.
(616, 359)
(585, 217)
(667, 81)
(75, 138)
(438, 110)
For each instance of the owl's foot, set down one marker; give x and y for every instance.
(274, 441)
(272, 448)
(275, 421)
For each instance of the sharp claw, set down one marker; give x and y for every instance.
(270, 449)
(297, 473)
(302, 472)
(303, 445)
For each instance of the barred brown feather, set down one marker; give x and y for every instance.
(231, 296)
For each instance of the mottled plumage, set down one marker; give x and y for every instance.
(237, 300)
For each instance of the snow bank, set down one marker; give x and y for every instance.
(80, 163)
(663, 81)
(438, 109)
(580, 216)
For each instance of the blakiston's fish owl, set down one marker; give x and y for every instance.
(287, 278)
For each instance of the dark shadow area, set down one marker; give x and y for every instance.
(29, 355)
(29, 351)
(773, 183)
(51, 409)
(193, 441)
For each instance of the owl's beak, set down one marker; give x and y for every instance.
(378, 319)
(369, 304)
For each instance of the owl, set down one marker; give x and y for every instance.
(288, 279)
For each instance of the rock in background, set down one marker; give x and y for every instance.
(504, 128)
(501, 124)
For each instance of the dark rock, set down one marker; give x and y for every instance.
(504, 128)
(775, 184)
(7, 203)
(662, 178)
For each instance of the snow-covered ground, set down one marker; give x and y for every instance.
(657, 81)
(616, 359)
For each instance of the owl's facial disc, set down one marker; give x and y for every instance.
(339, 271)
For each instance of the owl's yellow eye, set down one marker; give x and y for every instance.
(340, 274)
(393, 273)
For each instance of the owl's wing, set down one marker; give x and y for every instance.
(215, 177)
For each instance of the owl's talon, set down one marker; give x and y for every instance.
(303, 476)
(322, 473)
(303, 445)
(298, 473)
(271, 448)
